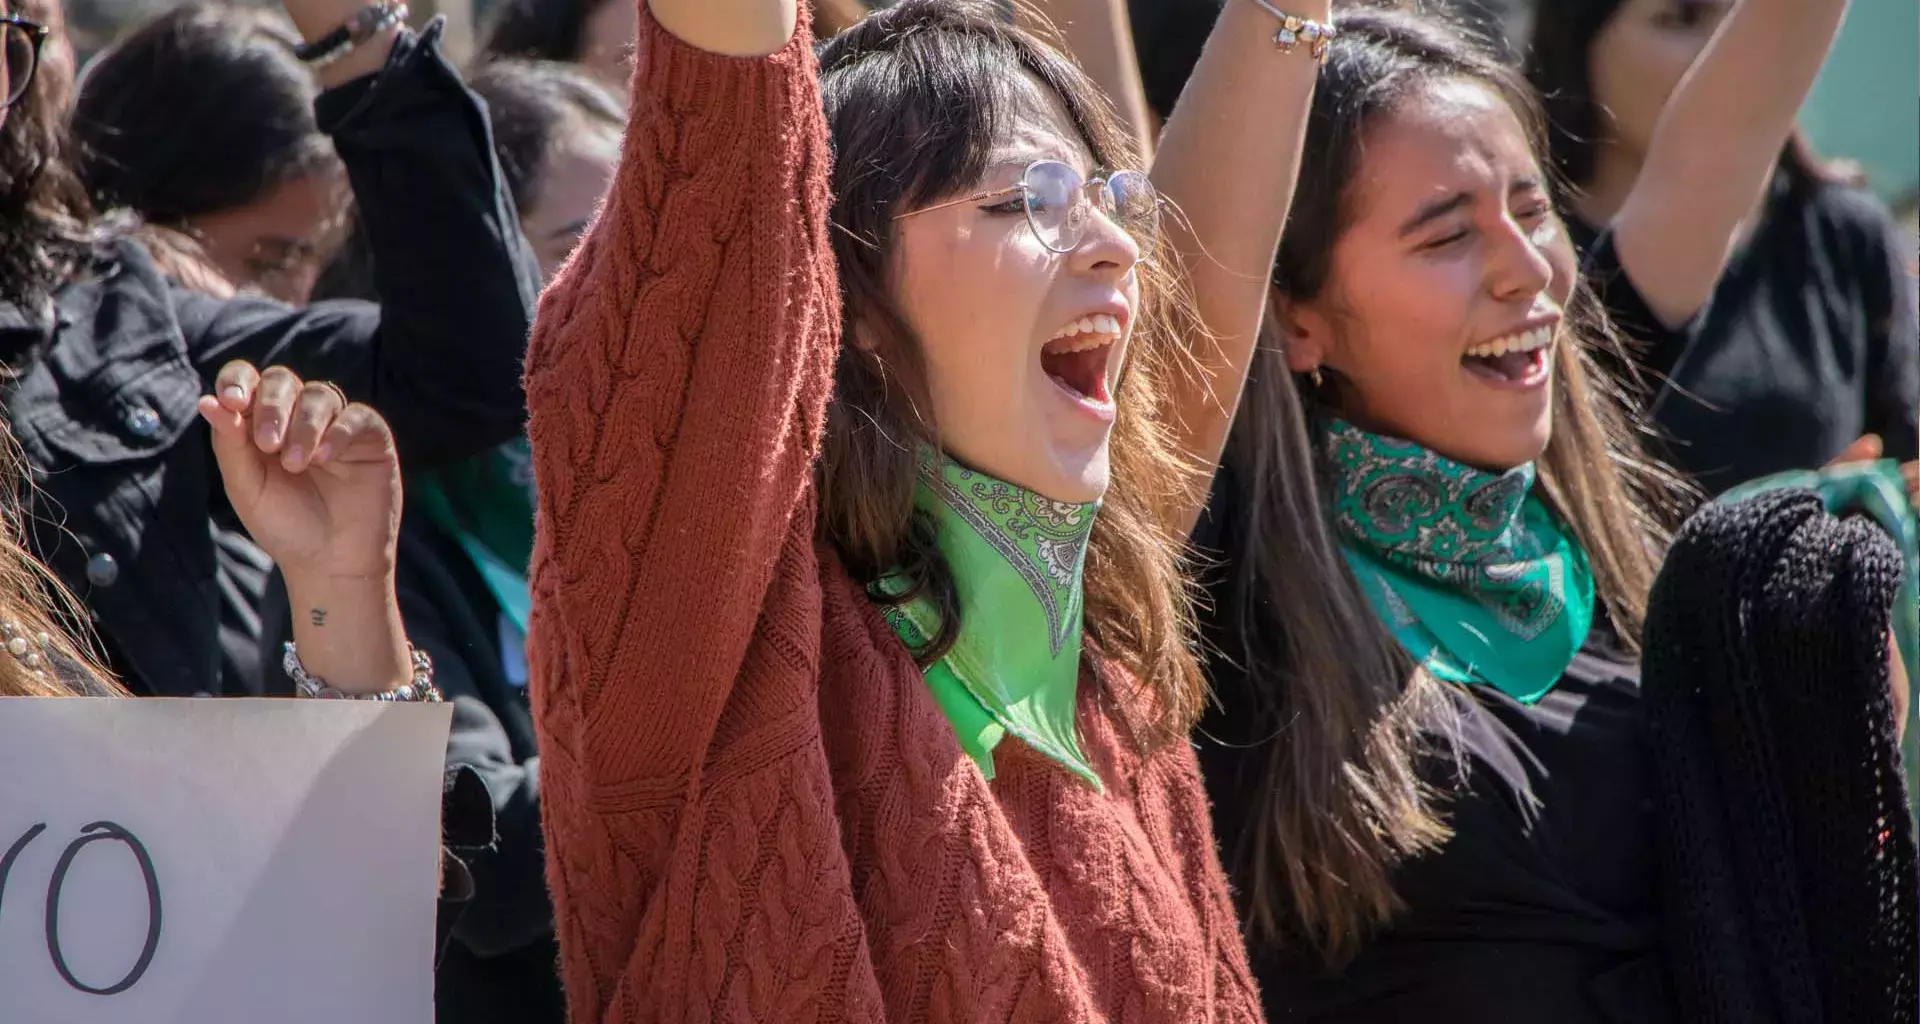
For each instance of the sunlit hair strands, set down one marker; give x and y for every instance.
(1342, 800)
(935, 63)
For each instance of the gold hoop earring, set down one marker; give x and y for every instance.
(1319, 379)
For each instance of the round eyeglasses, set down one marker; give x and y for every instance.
(1059, 204)
(23, 40)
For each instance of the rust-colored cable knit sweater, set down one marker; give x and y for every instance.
(755, 811)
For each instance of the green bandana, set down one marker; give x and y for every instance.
(1475, 577)
(1016, 559)
(486, 502)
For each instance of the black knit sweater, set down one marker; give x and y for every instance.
(1788, 856)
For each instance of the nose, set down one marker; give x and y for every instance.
(1105, 247)
(1520, 267)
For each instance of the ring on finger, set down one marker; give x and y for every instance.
(335, 389)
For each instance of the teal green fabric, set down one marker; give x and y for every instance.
(1017, 560)
(1876, 490)
(486, 503)
(1473, 574)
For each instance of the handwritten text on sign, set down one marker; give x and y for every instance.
(201, 860)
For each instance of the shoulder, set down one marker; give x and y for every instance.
(1845, 220)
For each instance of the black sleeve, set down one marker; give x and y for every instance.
(1893, 339)
(510, 907)
(1614, 287)
(441, 355)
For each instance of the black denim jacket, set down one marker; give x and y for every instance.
(127, 506)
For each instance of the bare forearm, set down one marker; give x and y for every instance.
(736, 28)
(1098, 35)
(1226, 164)
(1715, 147)
(349, 632)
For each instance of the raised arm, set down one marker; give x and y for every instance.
(1099, 36)
(1226, 164)
(677, 384)
(441, 354)
(1714, 148)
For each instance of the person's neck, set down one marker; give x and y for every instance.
(1601, 196)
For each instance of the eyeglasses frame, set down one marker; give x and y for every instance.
(38, 33)
(1100, 181)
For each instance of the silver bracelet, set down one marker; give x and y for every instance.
(418, 689)
(1295, 30)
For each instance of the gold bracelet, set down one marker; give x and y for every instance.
(1295, 30)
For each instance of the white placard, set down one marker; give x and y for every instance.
(291, 848)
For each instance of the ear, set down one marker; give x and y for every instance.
(860, 337)
(1303, 331)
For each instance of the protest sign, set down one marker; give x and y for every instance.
(218, 861)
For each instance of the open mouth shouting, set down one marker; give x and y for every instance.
(1518, 361)
(1078, 358)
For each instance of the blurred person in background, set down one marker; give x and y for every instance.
(557, 135)
(108, 354)
(201, 122)
(599, 35)
(463, 559)
(1771, 299)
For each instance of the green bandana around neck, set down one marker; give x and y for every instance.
(1017, 560)
(486, 503)
(1470, 570)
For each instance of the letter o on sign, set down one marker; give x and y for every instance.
(92, 833)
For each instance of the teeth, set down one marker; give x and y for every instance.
(1528, 341)
(1094, 331)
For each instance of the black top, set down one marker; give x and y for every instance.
(128, 508)
(1542, 907)
(1808, 342)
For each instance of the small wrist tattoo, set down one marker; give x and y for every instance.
(318, 616)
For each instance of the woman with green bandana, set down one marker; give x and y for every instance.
(868, 422)
(1428, 554)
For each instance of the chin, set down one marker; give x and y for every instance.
(1076, 475)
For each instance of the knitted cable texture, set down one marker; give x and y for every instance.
(754, 809)
(1789, 859)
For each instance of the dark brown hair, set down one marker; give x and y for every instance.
(45, 218)
(201, 108)
(1363, 737)
(915, 97)
(1559, 67)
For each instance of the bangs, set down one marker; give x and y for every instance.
(923, 109)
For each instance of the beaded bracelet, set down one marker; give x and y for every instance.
(367, 22)
(1295, 30)
(418, 689)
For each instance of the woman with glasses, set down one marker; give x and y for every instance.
(200, 121)
(864, 447)
(106, 352)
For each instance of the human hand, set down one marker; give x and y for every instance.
(313, 478)
(1865, 449)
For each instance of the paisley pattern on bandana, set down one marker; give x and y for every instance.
(1475, 576)
(1017, 559)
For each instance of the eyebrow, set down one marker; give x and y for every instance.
(1435, 209)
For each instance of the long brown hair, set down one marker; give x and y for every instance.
(35, 604)
(914, 96)
(1357, 774)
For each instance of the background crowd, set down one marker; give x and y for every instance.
(198, 194)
